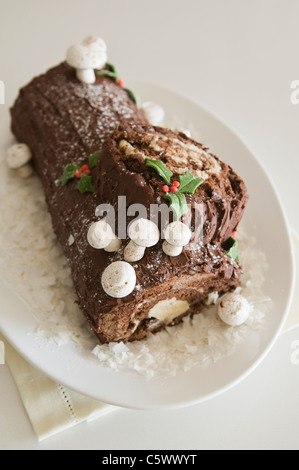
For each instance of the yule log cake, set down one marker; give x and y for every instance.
(146, 216)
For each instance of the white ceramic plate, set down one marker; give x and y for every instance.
(264, 219)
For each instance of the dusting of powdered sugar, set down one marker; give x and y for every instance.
(37, 270)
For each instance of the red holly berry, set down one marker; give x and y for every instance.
(174, 189)
(176, 184)
(78, 174)
(165, 189)
(120, 82)
(87, 171)
(84, 168)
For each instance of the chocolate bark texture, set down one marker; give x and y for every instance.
(221, 199)
(64, 121)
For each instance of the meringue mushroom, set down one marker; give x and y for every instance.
(177, 235)
(233, 309)
(95, 43)
(119, 279)
(153, 112)
(100, 235)
(85, 57)
(18, 155)
(143, 234)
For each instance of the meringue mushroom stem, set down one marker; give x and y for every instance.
(86, 76)
(133, 252)
(114, 245)
(171, 250)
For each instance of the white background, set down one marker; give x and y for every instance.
(238, 59)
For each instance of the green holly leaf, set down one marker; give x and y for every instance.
(233, 252)
(93, 159)
(189, 183)
(178, 204)
(85, 184)
(69, 173)
(107, 73)
(160, 168)
(110, 67)
(131, 95)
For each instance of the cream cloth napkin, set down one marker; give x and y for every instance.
(53, 408)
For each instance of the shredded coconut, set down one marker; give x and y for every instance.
(37, 271)
(201, 340)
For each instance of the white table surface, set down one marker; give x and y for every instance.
(238, 59)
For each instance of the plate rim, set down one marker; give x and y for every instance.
(288, 297)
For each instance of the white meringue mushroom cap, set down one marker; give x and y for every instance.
(100, 235)
(96, 43)
(144, 232)
(153, 112)
(18, 155)
(119, 279)
(178, 234)
(83, 57)
(234, 309)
